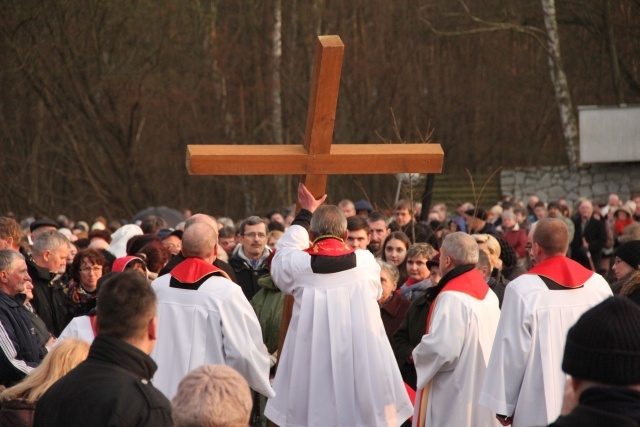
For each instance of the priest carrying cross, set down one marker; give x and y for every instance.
(336, 367)
(314, 160)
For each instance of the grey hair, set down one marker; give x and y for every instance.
(328, 220)
(7, 257)
(199, 240)
(461, 248)
(391, 270)
(212, 396)
(50, 240)
(252, 220)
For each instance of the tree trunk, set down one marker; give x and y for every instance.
(613, 53)
(560, 85)
(276, 91)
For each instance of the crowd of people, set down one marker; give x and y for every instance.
(476, 317)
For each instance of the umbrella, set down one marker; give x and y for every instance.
(172, 216)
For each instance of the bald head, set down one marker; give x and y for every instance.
(199, 241)
(201, 218)
(552, 236)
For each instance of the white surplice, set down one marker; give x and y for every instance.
(214, 324)
(525, 377)
(79, 327)
(337, 367)
(454, 356)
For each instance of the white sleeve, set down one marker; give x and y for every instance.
(440, 349)
(288, 257)
(242, 342)
(509, 356)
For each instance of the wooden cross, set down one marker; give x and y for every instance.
(316, 158)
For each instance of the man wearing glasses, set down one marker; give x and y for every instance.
(248, 261)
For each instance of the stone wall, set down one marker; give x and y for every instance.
(554, 182)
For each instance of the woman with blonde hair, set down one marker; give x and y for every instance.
(19, 402)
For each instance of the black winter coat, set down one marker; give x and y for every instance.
(409, 335)
(111, 388)
(604, 407)
(49, 299)
(595, 234)
(247, 276)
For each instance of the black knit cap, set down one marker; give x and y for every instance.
(630, 253)
(604, 344)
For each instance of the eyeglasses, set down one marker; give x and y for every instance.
(95, 269)
(253, 234)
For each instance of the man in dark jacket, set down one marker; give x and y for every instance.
(249, 261)
(591, 230)
(602, 356)
(50, 250)
(20, 346)
(113, 386)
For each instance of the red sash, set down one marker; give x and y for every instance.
(329, 246)
(192, 270)
(94, 325)
(563, 271)
(471, 283)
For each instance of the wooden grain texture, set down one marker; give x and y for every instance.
(294, 160)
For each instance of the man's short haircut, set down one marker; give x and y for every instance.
(227, 232)
(126, 303)
(152, 223)
(378, 216)
(7, 257)
(49, 240)
(347, 203)
(9, 227)
(422, 250)
(391, 270)
(402, 205)
(552, 235)
(328, 220)
(212, 396)
(461, 247)
(540, 204)
(199, 240)
(252, 220)
(483, 260)
(355, 223)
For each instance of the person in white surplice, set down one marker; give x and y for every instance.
(337, 367)
(525, 384)
(451, 360)
(204, 318)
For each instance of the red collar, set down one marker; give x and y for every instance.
(471, 283)
(563, 271)
(329, 246)
(192, 270)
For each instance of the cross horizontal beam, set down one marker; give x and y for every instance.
(295, 160)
